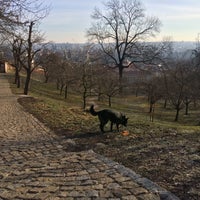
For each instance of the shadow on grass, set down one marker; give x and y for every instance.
(68, 135)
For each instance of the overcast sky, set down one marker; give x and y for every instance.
(69, 19)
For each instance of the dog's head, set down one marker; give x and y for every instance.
(124, 120)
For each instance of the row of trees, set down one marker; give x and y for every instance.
(118, 37)
(177, 83)
(19, 22)
(120, 31)
(79, 70)
(175, 80)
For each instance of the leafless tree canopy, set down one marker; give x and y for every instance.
(19, 22)
(119, 28)
(17, 12)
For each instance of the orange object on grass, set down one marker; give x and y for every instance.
(125, 133)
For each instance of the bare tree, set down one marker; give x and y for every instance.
(50, 61)
(85, 82)
(179, 84)
(154, 89)
(10, 11)
(191, 92)
(33, 39)
(28, 62)
(19, 19)
(196, 54)
(85, 73)
(10, 19)
(110, 86)
(119, 30)
(15, 13)
(67, 77)
(17, 51)
(99, 75)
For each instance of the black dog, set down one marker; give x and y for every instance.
(109, 115)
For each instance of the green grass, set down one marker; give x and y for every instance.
(67, 114)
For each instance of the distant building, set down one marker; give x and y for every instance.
(143, 73)
(2, 66)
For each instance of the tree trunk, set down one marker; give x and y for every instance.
(16, 75)
(137, 91)
(187, 108)
(66, 91)
(19, 82)
(84, 99)
(28, 78)
(29, 59)
(99, 96)
(58, 84)
(165, 104)
(61, 88)
(151, 105)
(151, 113)
(109, 101)
(17, 78)
(46, 79)
(120, 79)
(177, 113)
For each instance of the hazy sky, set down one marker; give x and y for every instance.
(69, 19)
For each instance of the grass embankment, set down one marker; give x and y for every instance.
(68, 114)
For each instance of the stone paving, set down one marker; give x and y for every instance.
(34, 164)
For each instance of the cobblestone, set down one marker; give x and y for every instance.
(34, 164)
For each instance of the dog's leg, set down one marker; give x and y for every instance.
(101, 128)
(117, 125)
(111, 126)
(102, 124)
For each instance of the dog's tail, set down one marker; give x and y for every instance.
(92, 111)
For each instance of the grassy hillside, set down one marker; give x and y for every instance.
(164, 151)
(68, 114)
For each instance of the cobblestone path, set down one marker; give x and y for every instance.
(34, 164)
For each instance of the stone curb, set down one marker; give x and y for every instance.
(146, 183)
